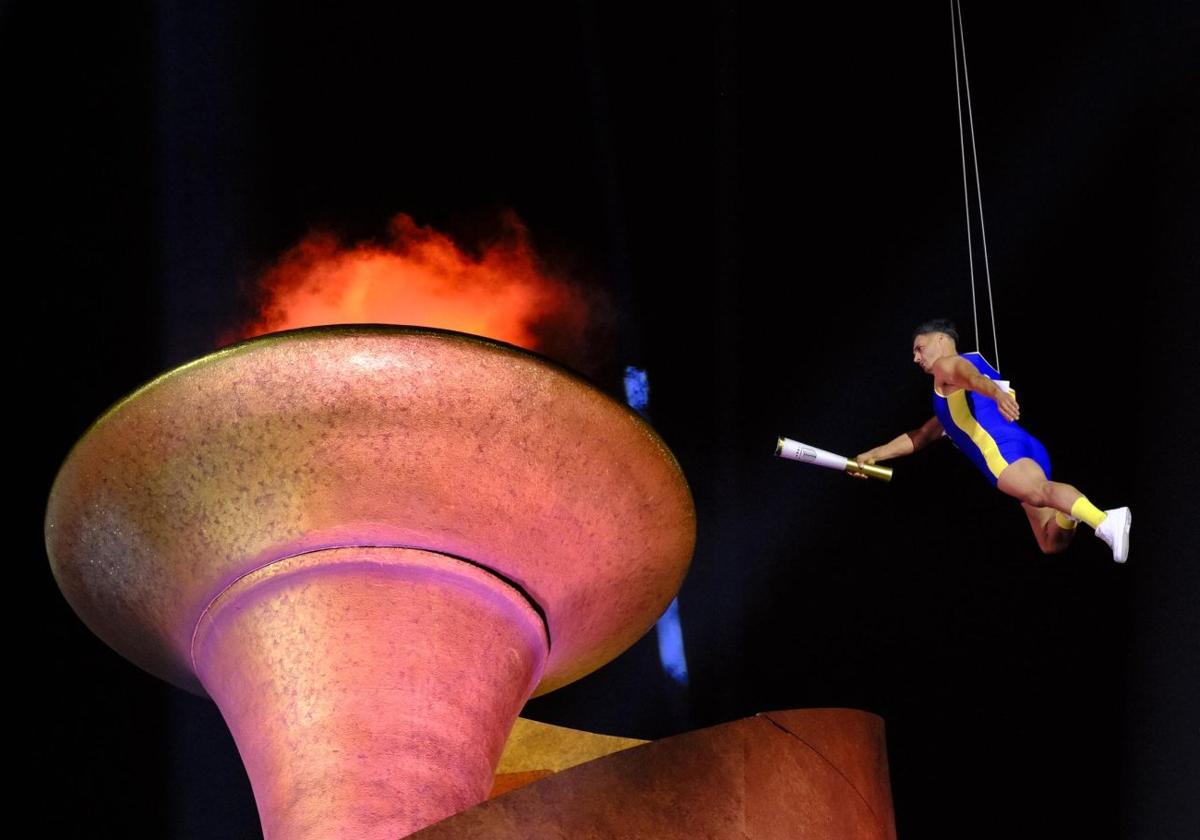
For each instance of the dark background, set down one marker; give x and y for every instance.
(770, 204)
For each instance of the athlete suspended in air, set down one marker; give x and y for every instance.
(975, 409)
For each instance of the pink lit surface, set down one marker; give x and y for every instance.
(348, 538)
(330, 666)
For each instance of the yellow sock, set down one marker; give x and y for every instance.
(1065, 522)
(1087, 512)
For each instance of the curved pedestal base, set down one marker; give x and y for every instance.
(369, 690)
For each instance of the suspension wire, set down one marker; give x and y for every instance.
(963, 153)
(962, 40)
(958, 39)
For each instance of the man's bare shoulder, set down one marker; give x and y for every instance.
(949, 365)
(951, 372)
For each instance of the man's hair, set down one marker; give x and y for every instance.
(936, 325)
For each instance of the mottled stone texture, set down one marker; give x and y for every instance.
(817, 774)
(369, 436)
(369, 545)
(369, 691)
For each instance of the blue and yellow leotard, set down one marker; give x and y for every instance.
(978, 428)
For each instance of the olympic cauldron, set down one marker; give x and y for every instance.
(369, 546)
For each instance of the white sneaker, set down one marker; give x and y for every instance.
(1114, 530)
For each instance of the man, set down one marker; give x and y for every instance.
(977, 411)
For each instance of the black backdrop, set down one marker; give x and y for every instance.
(771, 203)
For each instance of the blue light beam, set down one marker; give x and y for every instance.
(668, 627)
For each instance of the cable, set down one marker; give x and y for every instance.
(958, 38)
(963, 153)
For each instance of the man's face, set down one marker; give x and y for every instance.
(928, 348)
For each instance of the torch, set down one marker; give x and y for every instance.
(794, 450)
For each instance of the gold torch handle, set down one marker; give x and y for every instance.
(869, 470)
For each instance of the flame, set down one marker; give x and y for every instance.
(421, 277)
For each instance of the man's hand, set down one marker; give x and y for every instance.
(905, 444)
(867, 457)
(1007, 404)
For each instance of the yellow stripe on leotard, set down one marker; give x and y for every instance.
(960, 412)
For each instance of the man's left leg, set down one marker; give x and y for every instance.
(1024, 479)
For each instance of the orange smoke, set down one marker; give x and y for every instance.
(422, 278)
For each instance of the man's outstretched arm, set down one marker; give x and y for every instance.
(905, 444)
